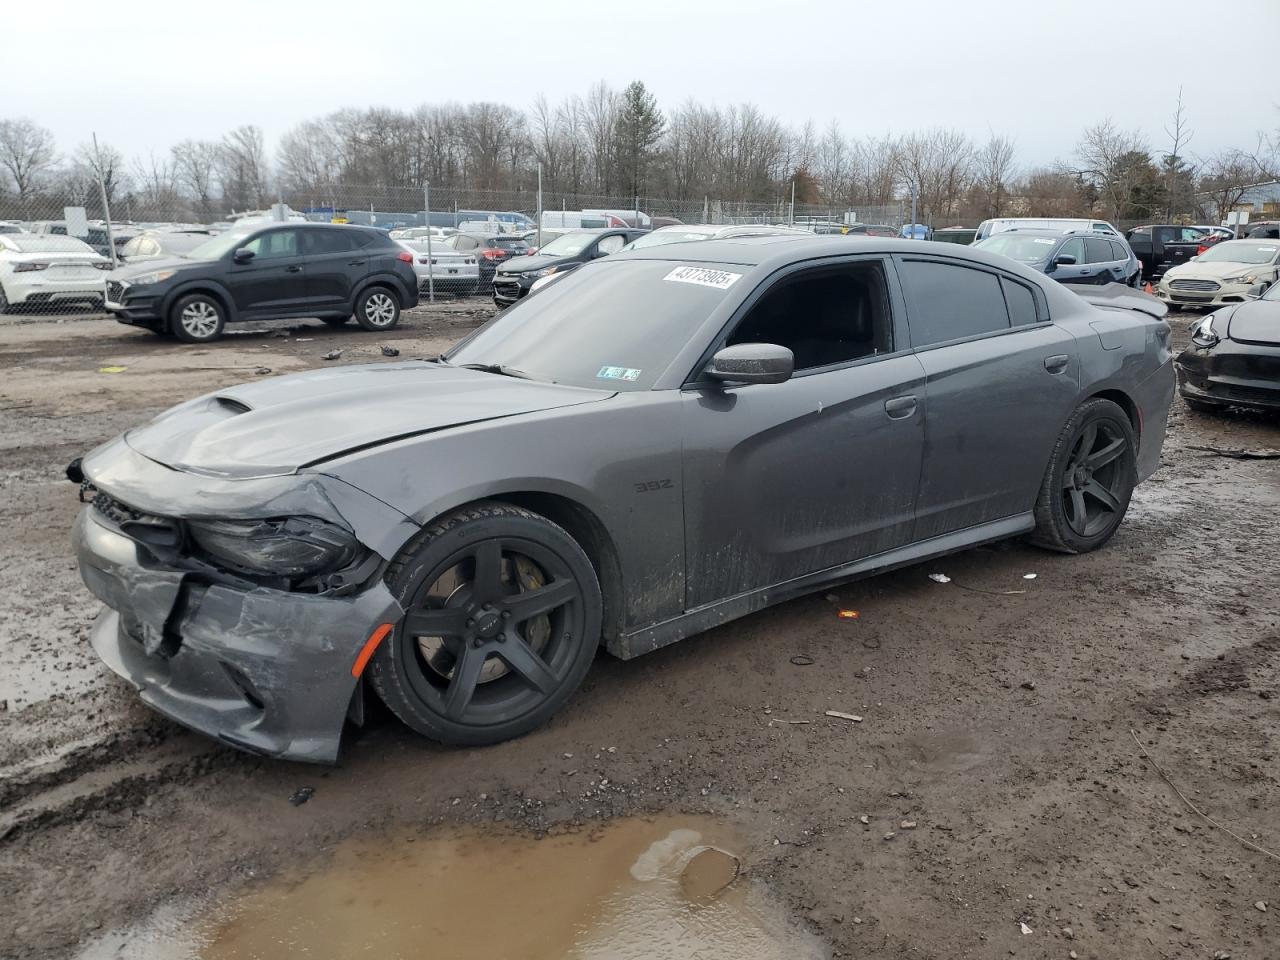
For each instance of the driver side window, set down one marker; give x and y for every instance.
(610, 245)
(274, 244)
(1073, 248)
(826, 316)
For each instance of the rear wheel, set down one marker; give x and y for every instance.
(502, 621)
(197, 318)
(378, 309)
(1089, 480)
(4, 302)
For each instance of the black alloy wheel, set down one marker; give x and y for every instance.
(1089, 480)
(502, 622)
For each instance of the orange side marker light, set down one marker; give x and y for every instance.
(379, 634)
(848, 614)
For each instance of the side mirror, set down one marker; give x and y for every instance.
(243, 255)
(1063, 260)
(752, 363)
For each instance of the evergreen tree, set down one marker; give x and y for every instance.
(639, 128)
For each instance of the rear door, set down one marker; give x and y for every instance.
(1000, 381)
(335, 263)
(1103, 256)
(274, 281)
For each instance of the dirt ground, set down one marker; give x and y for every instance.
(997, 712)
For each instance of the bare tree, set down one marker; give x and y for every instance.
(242, 167)
(155, 181)
(27, 154)
(98, 161)
(1105, 154)
(1224, 179)
(993, 167)
(1178, 176)
(937, 165)
(195, 163)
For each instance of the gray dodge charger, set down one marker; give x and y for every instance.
(657, 443)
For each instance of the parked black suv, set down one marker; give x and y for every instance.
(514, 278)
(269, 271)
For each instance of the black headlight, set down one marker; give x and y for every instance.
(292, 547)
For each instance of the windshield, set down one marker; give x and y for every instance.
(1239, 251)
(1018, 247)
(660, 237)
(568, 245)
(223, 243)
(611, 324)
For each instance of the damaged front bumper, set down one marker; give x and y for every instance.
(266, 669)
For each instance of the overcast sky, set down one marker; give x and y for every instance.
(145, 74)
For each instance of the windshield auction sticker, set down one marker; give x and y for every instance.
(703, 277)
(618, 373)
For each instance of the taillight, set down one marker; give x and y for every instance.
(29, 267)
(1201, 249)
(405, 257)
(491, 254)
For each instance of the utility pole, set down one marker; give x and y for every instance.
(106, 207)
(539, 205)
(791, 217)
(431, 261)
(913, 212)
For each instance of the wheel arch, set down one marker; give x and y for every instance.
(1125, 403)
(590, 533)
(390, 281)
(200, 286)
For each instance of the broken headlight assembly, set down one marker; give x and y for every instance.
(1204, 334)
(292, 547)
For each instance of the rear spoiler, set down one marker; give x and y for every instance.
(1117, 296)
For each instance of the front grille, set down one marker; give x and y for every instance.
(115, 291)
(1207, 286)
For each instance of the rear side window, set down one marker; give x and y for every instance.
(1020, 301)
(1097, 251)
(321, 241)
(1118, 251)
(946, 301)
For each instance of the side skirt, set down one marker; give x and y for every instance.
(703, 618)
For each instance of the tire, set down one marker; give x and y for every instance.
(4, 302)
(1089, 480)
(197, 318)
(335, 321)
(377, 309)
(516, 672)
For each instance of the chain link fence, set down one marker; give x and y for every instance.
(111, 226)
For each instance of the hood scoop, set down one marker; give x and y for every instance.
(232, 405)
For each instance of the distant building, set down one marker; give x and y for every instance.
(1262, 200)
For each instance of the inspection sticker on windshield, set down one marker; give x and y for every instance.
(720, 279)
(618, 373)
(1043, 240)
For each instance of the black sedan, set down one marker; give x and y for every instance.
(1234, 357)
(515, 277)
(659, 442)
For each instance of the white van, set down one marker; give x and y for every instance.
(988, 227)
(579, 219)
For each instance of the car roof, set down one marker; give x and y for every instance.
(777, 250)
(1040, 232)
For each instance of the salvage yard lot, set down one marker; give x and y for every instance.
(996, 710)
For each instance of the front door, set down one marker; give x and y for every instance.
(782, 480)
(274, 282)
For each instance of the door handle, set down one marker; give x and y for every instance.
(293, 268)
(1057, 363)
(899, 408)
(356, 263)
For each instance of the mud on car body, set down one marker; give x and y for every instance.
(659, 442)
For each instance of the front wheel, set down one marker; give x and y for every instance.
(1090, 478)
(378, 309)
(502, 620)
(197, 318)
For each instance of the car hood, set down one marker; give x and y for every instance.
(1255, 322)
(130, 269)
(535, 262)
(1212, 271)
(276, 426)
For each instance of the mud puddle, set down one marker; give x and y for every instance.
(660, 889)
